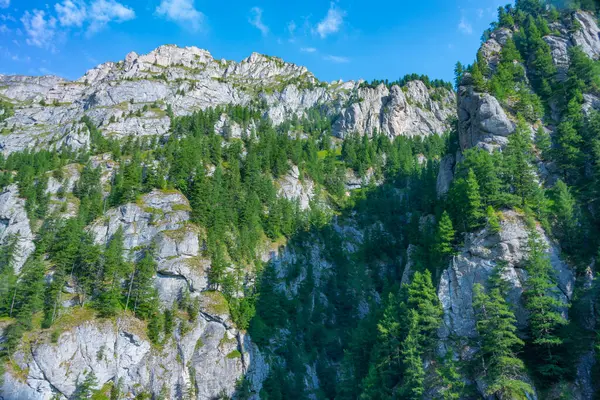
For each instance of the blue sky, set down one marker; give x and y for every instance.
(345, 39)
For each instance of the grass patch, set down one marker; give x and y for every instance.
(234, 354)
(215, 303)
(181, 207)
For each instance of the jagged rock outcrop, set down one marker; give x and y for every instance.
(160, 218)
(353, 181)
(15, 225)
(445, 175)
(482, 122)
(208, 360)
(559, 48)
(231, 129)
(130, 97)
(491, 48)
(58, 188)
(394, 111)
(207, 356)
(588, 37)
(293, 187)
(482, 251)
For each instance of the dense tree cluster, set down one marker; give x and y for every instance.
(430, 83)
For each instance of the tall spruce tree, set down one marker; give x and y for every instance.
(502, 370)
(445, 235)
(542, 301)
(413, 377)
(518, 158)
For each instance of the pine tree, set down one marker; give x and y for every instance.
(474, 211)
(493, 221)
(8, 278)
(543, 143)
(479, 82)
(542, 302)
(501, 368)
(444, 239)
(422, 298)
(459, 71)
(86, 389)
(142, 292)
(113, 273)
(449, 378)
(518, 158)
(413, 376)
(566, 218)
(485, 166)
(465, 202)
(390, 336)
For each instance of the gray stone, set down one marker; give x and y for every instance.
(119, 351)
(292, 187)
(481, 120)
(408, 111)
(445, 175)
(481, 253)
(588, 37)
(14, 223)
(160, 219)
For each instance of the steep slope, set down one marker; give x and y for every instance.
(242, 230)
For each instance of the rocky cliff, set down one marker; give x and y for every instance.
(129, 98)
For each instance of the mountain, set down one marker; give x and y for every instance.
(174, 226)
(188, 79)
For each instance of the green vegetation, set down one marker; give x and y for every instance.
(362, 321)
(6, 110)
(430, 83)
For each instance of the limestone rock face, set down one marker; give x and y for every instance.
(14, 223)
(48, 109)
(160, 219)
(481, 120)
(408, 111)
(588, 37)
(559, 47)
(445, 175)
(231, 129)
(292, 188)
(117, 351)
(481, 253)
(491, 48)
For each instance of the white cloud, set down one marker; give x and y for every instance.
(308, 50)
(336, 59)
(104, 11)
(39, 30)
(464, 26)
(4, 29)
(291, 27)
(332, 22)
(7, 18)
(255, 20)
(4, 3)
(181, 12)
(71, 13)
(479, 12)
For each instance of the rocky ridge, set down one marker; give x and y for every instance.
(47, 109)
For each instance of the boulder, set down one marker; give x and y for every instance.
(481, 120)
